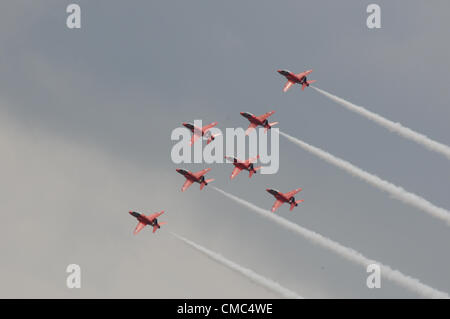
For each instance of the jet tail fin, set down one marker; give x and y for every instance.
(295, 204)
(254, 171)
(204, 183)
(158, 226)
(307, 83)
(269, 126)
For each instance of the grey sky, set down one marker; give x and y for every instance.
(85, 123)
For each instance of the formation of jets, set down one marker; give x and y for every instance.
(248, 165)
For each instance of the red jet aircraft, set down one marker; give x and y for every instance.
(258, 120)
(198, 132)
(151, 220)
(247, 165)
(295, 78)
(284, 198)
(194, 177)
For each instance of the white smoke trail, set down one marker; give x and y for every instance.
(392, 126)
(250, 274)
(395, 191)
(348, 253)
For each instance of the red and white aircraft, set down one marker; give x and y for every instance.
(151, 220)
(247, 165)
(293, 78)
(258, 120)
(198, 132)
(284, 198)
(194, 177)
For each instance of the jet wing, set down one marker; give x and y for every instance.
(276, 205)
(235, 172)
(250, 128)
(207, 127)
(186, 185)
(292, 193)
(287, 86)
(139, 228)
(300, 75)
(252, 160)
(201, 173)
(155, 215)
(265, 116)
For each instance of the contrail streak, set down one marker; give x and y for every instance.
(250, 274)
(396, 191)
(392, 126)
(348, 253)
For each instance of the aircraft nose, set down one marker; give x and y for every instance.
(134, 214)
